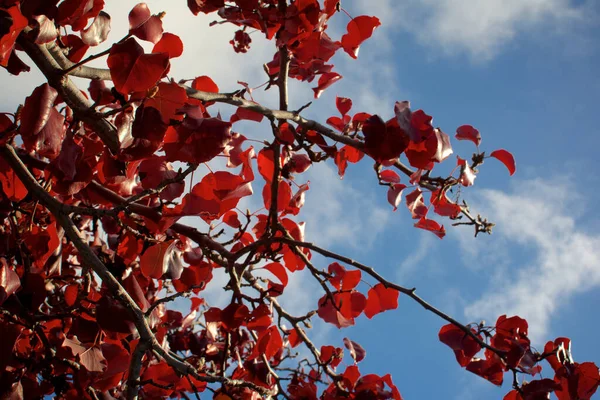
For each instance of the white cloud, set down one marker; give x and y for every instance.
(475, 27)
(414, 261)
(338, 214)
(541, 219)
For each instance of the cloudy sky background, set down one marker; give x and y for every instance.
(525, 73)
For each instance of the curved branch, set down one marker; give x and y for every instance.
(114, 286)
(70, 92)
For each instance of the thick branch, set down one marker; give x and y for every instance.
(70, 93)
(90, 259)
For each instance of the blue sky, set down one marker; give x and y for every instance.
(525, 73)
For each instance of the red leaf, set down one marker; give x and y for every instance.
(169, 98)
(343, 104)
(394, 194)
(327, 79)
(279, 271)
(294, 338)
(285, 133)
(347, 154)
(37, 110)
(467, 132)
(260, 319)
(231, 219)
(331, 313)
(269, 342)
(431, 226)
(144, 25)
(90, 358)
(196, 275)
(467, 175)
(588, 379)
(77, 48)
(159, 258)
(384, 141)
(9, 281)
(246, 114)
(232, 317)
(266, 165)
(350, 376)
(8, 38)
(298, 163)
(381, 299)
(147, 134)
(331, 355)
(197, 140)
(216, 194)
(342, 279)
(414, 202)
(153, 171)
(133, 71)
(297, 201)
(359, 29)
(77, 12)
(443, 206)
(490, 368)
(71, 292)
(389, 176)
(42, 242)
(205, 84)
(357, 352)
(463, 345)
(12, 187)
(170, 44)
(47, 30)
(337, 123)
(98, 31)
(505, 158)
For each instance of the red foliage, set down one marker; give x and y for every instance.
(96, 241)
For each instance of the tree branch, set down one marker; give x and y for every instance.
(70, 92)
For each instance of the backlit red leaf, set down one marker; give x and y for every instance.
(463, 345)
(357, 352)
(467, 132)
(505, 158)
(170, 44)
(71, 292)
(8, 39)
(381, 299)
(157, 259)
(325, 80)
(98, 31)
(9, 281)
(415, 204)
(384, 141)
(394, 194)
(205, 84)
(12, 187)
(431, 226)
(359, 29)
(269, 342)
(144, 25)
(133, 71)
(343, 104)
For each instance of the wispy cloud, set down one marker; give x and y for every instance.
(478, 28)
(542, 221)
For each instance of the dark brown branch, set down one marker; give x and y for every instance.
(70, 93)
(409, 292)
(91, 259)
